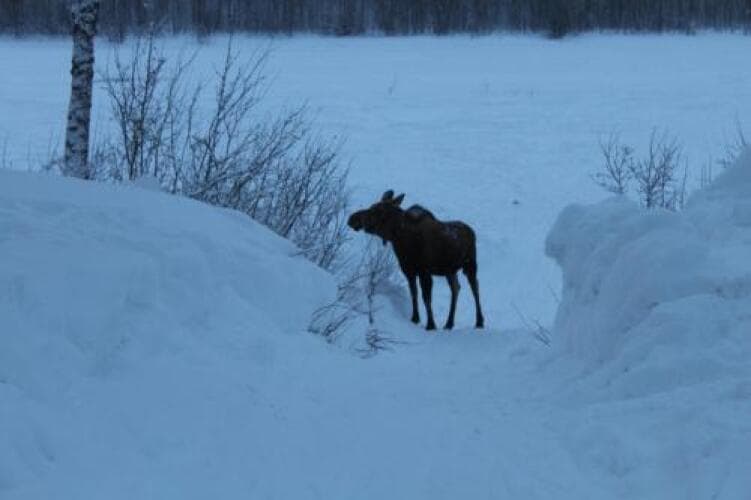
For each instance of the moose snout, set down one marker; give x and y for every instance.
(355, 221)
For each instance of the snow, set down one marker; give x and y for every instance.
(630, 274)
(129, 322)
(154, 347)
(656, 308)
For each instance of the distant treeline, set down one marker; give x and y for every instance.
(352, 17)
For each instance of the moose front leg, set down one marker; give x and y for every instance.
(426, 284)
(412, 280)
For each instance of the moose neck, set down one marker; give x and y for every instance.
(400, 239)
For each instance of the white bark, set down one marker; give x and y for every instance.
(84, 13)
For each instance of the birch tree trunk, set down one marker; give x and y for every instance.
(84, 13)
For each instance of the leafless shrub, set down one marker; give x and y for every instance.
(659, 183)
(375, 342)
(378, 269)
(48, 160)
(618, 161)
(51, 161)
(356, 298)
(534, 327)
(657, 178)
(734, 147)
(276, 169)
(152, 107)
(332, 320)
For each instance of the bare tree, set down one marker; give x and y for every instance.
(658, 181)
(617, 168)
(76, 163)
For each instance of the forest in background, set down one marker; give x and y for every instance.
(556, 18)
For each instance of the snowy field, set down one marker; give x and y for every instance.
(152, 347)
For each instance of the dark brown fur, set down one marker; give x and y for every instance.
(425, 247)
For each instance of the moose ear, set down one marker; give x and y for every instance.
(398, 200)
(387, 195)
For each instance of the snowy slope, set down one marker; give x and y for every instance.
(657, 309)
(134, 327)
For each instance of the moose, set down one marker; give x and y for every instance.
(424, 247)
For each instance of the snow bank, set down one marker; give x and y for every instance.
(656, 308)
(645, 284)
(126, 315)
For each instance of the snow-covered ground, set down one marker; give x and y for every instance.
(152, 347)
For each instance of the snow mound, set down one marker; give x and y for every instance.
(121, 310)
(655, 319)
(665, 296)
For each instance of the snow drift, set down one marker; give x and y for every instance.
(127, 319)
(656, 308)
(652, 285)
(149, 348)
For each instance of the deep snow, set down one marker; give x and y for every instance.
(655, 307)
(155, 348)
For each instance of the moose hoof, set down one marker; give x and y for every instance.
(415, 319)
(430, 326)
(480, 325)
(448, 326)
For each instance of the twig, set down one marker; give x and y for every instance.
(539, 332)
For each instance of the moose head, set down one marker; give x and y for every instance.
(381, 218)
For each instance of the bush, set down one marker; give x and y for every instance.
(372, 275)
(734, 147)
(276, 170)
(658, 180)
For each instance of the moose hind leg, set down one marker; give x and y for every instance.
(454, 286)
(470, 270)
(412, 280)
(426, 284)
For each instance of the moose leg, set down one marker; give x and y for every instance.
(412, 279)
(470, 270)
(426, 284)
(454, 285)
